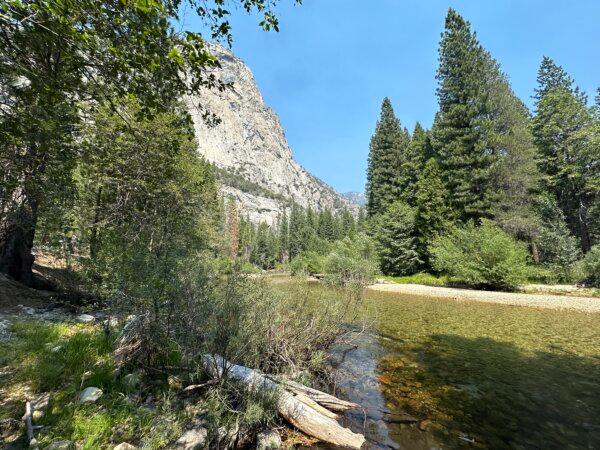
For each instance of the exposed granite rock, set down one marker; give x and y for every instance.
(250, 145)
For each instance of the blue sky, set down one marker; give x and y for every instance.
(327, 70)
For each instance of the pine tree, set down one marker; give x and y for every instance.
(233, 228)
(413, 160)
(514, 175)
(327, 226)
(347, 224)
(461, 124)
(433, 213)
(563, 129)
(296, 233)
(284, 241)
(394, 233)
(385, 153)
(552, 76)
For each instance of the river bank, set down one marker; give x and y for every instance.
(585, 304)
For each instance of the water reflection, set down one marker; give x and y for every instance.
(355, 365)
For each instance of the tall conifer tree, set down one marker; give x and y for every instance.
(385, 152)
(460, 128)
(565, 134)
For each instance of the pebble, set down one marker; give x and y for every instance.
(125, 446)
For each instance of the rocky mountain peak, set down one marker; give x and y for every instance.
(251, 152)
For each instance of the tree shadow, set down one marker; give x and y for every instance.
(498, 394)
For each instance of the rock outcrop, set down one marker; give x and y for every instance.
(249, 147)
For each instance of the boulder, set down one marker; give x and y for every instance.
(268, 440)
(90, 395)
(192, 439)
(85, 318)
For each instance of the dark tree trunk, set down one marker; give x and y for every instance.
(584, 231)
(16, 241)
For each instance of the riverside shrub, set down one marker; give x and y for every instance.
(482, 255)
(591, 267)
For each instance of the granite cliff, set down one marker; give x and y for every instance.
(255, 163)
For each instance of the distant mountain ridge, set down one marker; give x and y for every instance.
(255, 162)
(358, 198)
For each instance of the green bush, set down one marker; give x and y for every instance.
(352, 262)
(483, 256)
(590, 266)
(307, 263)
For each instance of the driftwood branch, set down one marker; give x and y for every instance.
(28, 419)
(298, 408)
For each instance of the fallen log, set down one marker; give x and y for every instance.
(322, 398)
(314, 405)
(304, 417)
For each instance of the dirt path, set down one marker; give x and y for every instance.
(586, 304)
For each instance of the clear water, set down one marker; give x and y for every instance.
(444, 374)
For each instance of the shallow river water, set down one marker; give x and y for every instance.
(438, 374)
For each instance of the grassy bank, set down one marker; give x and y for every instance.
(65, 358)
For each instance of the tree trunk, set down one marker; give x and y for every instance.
(16, 241)
(584, 231)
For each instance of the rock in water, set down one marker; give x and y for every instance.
(250, 149)
(90, 395)
(192, 439)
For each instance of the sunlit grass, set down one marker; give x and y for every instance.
(63, 359)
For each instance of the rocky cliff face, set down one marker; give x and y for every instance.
(249, 147)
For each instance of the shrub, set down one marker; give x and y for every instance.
(351, 262)
(307, 263)
(481, 256)
(590, 266)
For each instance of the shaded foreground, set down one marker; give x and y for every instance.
(450, 374)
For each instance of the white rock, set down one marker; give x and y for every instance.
(125, 446)
(85, 318)
(90, 395)
(250, 145)
(61, 445)
(192, 439)
(268, 440)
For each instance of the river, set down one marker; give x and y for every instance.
(438, 373)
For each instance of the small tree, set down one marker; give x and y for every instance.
(482, 255)
(394, 233)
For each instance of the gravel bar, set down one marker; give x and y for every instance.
(586, 304)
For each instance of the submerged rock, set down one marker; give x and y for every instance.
(90, 395)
